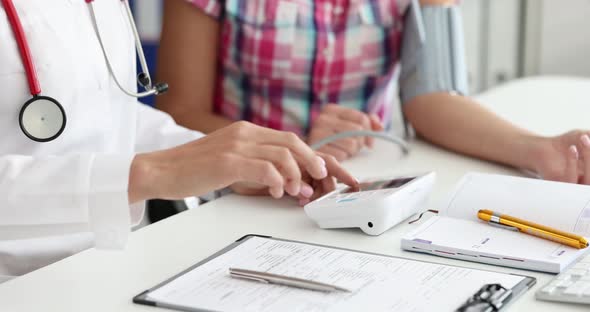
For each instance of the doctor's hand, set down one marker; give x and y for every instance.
(564, 158)
(241, 153)
(323, 186)
(311, 188)
(335, 119)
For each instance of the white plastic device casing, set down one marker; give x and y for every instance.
(373, 211)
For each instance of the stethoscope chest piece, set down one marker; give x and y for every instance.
(42, 119)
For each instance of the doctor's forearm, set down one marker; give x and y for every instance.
(139, 180)
(462, 125)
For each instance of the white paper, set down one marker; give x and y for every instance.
(476, 241)
(564, 206)
(379, 283)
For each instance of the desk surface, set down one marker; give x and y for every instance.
(107, 280)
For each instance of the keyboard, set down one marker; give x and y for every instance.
(572, 285)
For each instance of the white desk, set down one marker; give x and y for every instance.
(107, 280)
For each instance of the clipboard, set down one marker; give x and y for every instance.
(146, 298)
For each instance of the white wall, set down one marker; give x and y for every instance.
(556, 39)
(472, 24)
(504, 38)
(491, 41)
(565, 37)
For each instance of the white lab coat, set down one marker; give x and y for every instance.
(61, 197)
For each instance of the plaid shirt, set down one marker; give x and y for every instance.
(282, 60)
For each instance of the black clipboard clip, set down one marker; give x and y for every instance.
(490, 298)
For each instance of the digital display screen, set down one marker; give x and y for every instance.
(378, 185)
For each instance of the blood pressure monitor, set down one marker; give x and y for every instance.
(375, 205)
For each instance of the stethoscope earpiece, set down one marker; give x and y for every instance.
(161, 87)
(144, 80)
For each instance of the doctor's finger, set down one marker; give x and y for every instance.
(304, 155)
(324, 187)
(585, 139)
(306, 193)
(284, 161)
(337, 171)
(261, 172)
(328, 185)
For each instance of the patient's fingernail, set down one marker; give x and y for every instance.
(586, 140)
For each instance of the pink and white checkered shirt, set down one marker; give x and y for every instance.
(282, 60)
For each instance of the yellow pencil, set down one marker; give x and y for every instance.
(534, 229)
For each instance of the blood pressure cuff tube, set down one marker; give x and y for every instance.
(433, 52)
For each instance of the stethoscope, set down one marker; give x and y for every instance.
(43, 118)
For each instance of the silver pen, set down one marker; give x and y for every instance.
(270, 278)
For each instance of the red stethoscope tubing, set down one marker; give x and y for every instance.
(23, 45)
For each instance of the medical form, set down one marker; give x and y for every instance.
(378, 282)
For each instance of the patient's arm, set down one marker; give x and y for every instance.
(462, 125)
(187, 61)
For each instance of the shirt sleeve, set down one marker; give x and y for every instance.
(210, 7)
(53, 195)
(80, 193)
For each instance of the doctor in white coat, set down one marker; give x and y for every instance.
(86, 187)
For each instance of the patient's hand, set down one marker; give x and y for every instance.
(335, 119)
(565, 158)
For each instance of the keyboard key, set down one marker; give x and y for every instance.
(554, 284)
(548, 290)
(564, 284)
(563, 277)
(577, 272)
(572, 285)
(576, 289)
